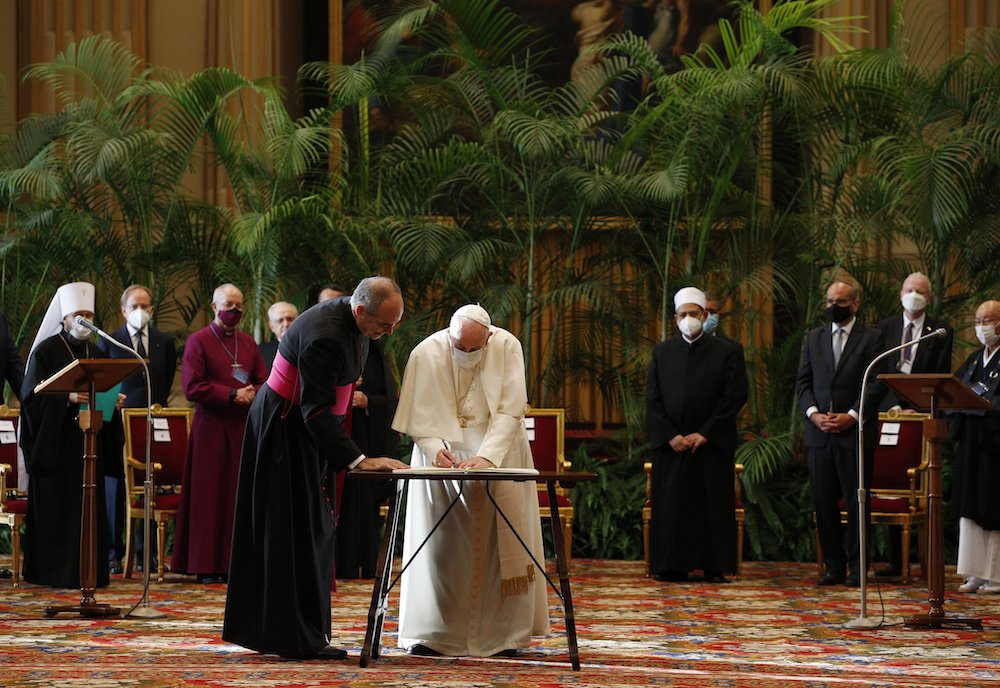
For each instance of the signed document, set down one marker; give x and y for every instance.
(434, 470)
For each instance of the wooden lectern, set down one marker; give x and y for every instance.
(90, 375)
(936, 392)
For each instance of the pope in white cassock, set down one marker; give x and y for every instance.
(472, 590)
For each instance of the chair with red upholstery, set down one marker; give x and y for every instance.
(171, 429)
(740, 513)
(13, 503)
(546, 435)
(899, 486)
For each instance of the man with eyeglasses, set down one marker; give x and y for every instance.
(278, 601)
(977, 458)
(833, 362)
(221, 371)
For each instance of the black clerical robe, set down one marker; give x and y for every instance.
(976, 451)
(278, 600)
(52, 442)
(358, 522)
(694, 387)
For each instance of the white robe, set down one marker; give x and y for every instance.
(978, 551)
(450, 596)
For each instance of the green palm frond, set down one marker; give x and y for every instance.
(96, 67)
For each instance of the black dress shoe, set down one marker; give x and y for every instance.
(6, 573)
(831, 578)
(114, 566)
(671, 576)
(852, 580)
(715, 577)
(210, 578)
(889, 571)
(423, 651)
(510, 652)
(329, 652)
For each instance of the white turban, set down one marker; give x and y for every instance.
(689, 295)
(69, 298)
(473, 312)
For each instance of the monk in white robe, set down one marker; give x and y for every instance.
(472, 590)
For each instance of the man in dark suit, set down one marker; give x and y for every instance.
(930, 356)
(834, 358)
(280, 317)
(158, 347)
(11, 370)
(11, 365)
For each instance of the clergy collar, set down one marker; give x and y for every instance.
(221, 330)
(692, 341)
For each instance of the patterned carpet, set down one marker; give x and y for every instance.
(772, 628)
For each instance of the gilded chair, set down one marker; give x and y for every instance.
(13, 503)
(898, 492)
(546, 436)
(740, 514)
(168, 449)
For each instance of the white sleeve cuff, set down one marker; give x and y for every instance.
(811, 410)
(354, 464)
(853, 414)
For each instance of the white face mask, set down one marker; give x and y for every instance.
(690, 326)
(987, 336)
(79, 333)
(138, 317)
(467, 359)
(914, 301)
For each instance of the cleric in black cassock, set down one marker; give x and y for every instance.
(697, 384)
(358, 522)
(52, 441)
(278, 600)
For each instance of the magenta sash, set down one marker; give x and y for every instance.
(284, 380)
(344, 395)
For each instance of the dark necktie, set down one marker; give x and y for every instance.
(139, 348)
(907, 338)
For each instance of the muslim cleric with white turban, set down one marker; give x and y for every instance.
(52, 441)
(696, 386)
(462, 401)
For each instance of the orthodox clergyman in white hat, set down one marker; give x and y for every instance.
(53, 446)
(697, 384)
(472, 590)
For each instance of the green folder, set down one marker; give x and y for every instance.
(105, 401)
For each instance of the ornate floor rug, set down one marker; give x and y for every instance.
(774, 627)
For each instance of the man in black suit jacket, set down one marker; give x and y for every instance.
(834, 358)
(11, 370)
(280, 317)
(158, 347)
(929, 356)
(11, 365)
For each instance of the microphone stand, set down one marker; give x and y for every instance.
(142, 609)
(863, 622)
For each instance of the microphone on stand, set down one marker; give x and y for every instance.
(141, 608)
(863, 621)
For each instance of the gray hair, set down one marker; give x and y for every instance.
(131, 288)
(372, 291)
(279, 304)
